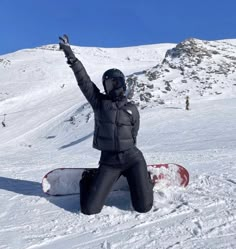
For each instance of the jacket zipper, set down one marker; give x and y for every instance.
(116, 130)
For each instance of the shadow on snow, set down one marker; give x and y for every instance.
(71, 203)
(76, 142)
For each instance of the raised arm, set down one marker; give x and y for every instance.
(88, 88)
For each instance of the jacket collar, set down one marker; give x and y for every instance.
(122, 101)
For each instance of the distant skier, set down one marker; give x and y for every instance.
(187, 103)
(3, 122)
(116, 129)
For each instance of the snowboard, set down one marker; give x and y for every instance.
(65, 181)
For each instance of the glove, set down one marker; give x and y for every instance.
(65, 46)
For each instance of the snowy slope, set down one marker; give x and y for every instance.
(49, 125)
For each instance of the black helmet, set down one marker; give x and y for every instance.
(113, 79)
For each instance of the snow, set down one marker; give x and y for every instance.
(39, 95)
(168, 176)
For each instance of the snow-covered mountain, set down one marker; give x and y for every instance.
(38, 80)
(49, 124)
(38, 86)
(192, 68)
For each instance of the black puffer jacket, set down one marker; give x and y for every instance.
(116, 122)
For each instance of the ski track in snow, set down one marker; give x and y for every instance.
(203, 215)
(181, 218)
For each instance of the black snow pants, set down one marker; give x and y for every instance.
(95, 187)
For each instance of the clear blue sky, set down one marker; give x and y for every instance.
(108, 23)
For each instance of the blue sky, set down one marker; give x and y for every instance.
(108, 23)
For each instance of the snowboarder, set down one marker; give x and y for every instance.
(116, 129)
(3, 122)
(187, 103)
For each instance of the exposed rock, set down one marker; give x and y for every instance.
(200, 66)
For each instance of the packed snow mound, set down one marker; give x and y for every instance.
(192, 68)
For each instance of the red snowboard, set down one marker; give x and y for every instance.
(65, 181)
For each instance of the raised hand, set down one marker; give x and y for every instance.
(65, 46)
(64, 41)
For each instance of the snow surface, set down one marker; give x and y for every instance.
(50, 125)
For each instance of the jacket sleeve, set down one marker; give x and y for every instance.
(136, 123)
(88, 88)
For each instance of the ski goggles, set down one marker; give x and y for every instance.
(113, 83)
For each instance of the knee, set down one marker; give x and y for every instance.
(144, 204)
(143, 208)
(89, 206)
(89, 210)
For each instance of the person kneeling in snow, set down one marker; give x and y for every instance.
(116, 129)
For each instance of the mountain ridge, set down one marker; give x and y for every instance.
(193, 67)
(37, 85)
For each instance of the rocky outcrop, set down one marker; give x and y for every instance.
(193, 67)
